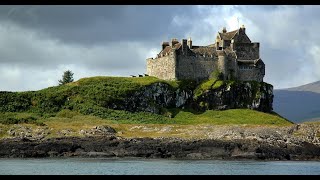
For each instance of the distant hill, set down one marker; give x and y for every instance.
(298, 104)
(311, 87)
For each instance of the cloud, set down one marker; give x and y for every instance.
(95, 24)
(38, 43)
(29, 60)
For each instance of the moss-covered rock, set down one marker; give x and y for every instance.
(233, 95)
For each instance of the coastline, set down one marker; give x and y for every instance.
(154, 148)
(220, 142)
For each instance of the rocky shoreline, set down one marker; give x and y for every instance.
(295, 142)
(157, 148)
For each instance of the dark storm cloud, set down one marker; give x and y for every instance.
(96, 24)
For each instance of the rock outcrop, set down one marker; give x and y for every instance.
(251, 95)
(155, 97)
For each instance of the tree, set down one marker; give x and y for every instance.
(67, 77)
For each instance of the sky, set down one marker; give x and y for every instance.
(39, 43)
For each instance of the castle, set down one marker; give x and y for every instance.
(233, 54)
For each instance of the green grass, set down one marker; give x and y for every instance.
(188, 117)
(231, 116)
(121, 82)
(207, 85)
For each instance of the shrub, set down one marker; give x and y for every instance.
(17, 118)
(66, 113)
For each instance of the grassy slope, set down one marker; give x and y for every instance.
(185, 124)
(92, 93)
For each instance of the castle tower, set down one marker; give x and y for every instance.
(222, 58)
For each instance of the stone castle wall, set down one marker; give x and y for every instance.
(247, 51)
(250, 74)
(199, 68)
(195, 67)
(163, 67)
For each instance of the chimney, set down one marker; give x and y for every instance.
(174, 41)
(243, 29)
(189, 43)
(224, 30)
(164, 45)
(184, 45)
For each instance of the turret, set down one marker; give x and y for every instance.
(222, 58)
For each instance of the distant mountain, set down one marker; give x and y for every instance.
(311, 87)
(298, 104)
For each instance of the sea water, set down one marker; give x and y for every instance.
(100, 166)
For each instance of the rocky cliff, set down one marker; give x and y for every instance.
(251, 95)
(155, 97)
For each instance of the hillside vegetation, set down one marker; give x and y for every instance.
(86, 100)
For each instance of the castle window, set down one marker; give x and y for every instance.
(243, 67)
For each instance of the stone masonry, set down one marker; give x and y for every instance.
(233, 54)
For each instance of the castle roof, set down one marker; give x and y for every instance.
(205, 50)
(169, 48)
(228, 35)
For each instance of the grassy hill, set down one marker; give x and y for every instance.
(84, 102)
